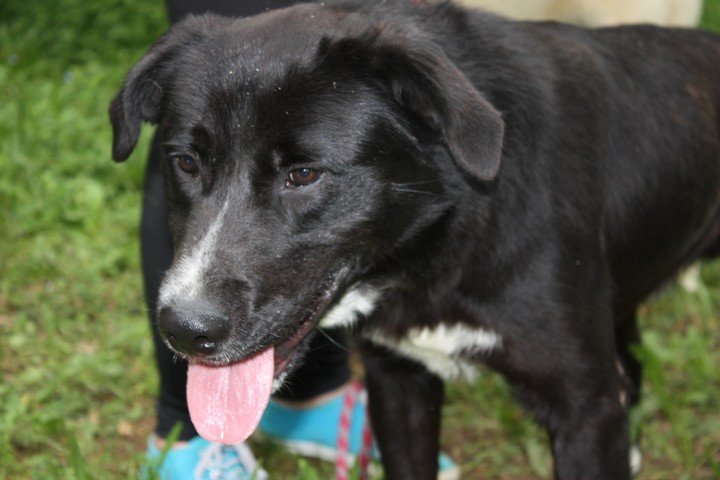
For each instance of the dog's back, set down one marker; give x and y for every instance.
(641, 105)
(662, 165)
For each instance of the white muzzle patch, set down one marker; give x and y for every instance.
(185, 279)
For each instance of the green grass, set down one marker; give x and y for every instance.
(77, 379)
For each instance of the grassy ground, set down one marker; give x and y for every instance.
(77, 380)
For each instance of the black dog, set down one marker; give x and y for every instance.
(458, 186)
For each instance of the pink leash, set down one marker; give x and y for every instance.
(342, 462)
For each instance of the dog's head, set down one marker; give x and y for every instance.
(306, 151)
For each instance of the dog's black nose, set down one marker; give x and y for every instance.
(191, 332)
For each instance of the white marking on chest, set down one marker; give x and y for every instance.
(185, 278)
(443, 349)
(359, 301)
(279, 382)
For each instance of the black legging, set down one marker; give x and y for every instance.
(326, 367)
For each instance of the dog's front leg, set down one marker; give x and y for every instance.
(405, 402)
(592, 444)
(578, 399)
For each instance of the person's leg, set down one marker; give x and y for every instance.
(327, 366)
(326, 369)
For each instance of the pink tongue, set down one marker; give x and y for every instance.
(226, 403)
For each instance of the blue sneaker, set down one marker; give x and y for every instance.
(203, 460)
(314, 431)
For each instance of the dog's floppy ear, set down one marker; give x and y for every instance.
(428, 83)
(141, 95)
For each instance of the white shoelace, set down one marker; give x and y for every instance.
(228, 462)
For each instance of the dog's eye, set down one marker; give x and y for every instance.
(187, 164)
(301, 177)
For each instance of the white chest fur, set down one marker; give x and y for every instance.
(443, 349)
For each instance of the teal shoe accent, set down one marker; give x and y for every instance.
(313, 432)
(203, 460)
(447, 470)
